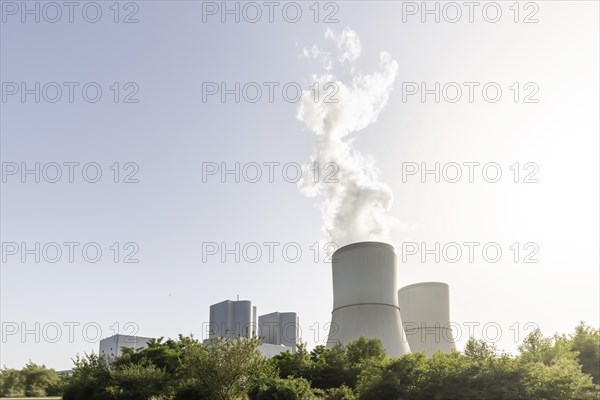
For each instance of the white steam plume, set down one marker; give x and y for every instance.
(355, 208)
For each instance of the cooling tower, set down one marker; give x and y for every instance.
(425, 309)
(365, 301)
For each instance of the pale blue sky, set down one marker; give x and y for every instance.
(171, 132)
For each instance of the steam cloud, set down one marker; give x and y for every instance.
(355, 208)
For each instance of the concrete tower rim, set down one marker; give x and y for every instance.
(352, 246)
(422, 284)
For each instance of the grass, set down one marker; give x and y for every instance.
(30, 398)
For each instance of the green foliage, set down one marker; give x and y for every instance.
(586, 342)
(11, 383)
(228, 368)
(546, 368)
(364, 350)
(341, 393)
(394, 379)
(31, 381)
(191, 392)
(90, 379)
(479, 350)
(362, 354)
(282, 389)
(296, 364)
(537, 348)
(169, 356)
(562, 379)
(135, 381)
(331, 368)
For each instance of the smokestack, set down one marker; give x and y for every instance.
(425, 309)
(365, 301)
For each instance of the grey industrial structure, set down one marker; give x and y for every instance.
(366, 303)
(278, 330)
(426, 315)
(365, 298)
(112, 346)
(232, 319)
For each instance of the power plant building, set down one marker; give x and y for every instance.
(231, 319)
(279, 328)
(112, 347)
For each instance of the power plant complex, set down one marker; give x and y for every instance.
(366, 303)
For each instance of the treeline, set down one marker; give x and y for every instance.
(31, 381)
(556, 368)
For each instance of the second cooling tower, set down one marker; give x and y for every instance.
(425, 311)
(365, 301)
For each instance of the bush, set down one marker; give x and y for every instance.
(191, 392)
(90, 379)
(341, 393)
(31, 381)
(135, 382)
(282, 389)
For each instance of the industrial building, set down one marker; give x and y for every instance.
(279, 328)
(231, 319)
(112, 347)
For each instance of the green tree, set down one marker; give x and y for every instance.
(362, 353)
(586, 342)
(537, 348)
(12, 383)
(397, 378)
(135, 381)
(33, 380)
(168, 355)
(561, 380)
(296, 364)
(363, 350)
(282, 389)
(175, 357)
(90, 380)
(229, 367)
(332, 369)
(341, 393)
(39, 380)
(479, 350)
